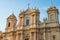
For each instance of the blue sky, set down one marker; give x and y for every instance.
(9, 6)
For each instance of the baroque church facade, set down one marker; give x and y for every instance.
(29, 27)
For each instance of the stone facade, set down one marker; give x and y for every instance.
(29, 27)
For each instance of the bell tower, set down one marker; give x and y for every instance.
(11, 23)
(52, 14)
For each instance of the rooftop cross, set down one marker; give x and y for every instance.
(51, 2)
(28, 5)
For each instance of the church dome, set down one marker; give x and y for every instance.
(51, 8)
(12, 16)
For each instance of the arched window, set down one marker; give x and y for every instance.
(52, 17)
(27, 22)
(9, 25)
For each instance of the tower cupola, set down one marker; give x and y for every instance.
(52, 14)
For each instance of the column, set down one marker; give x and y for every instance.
(22, 36)
(35, 36)
(38, 36)
(44, 36)
(17, 37)
(30, 36)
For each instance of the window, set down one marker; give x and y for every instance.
(27, 22)
(52, 17)
(9, 25)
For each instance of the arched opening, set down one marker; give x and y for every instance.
(52, 17)
(9, 25)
